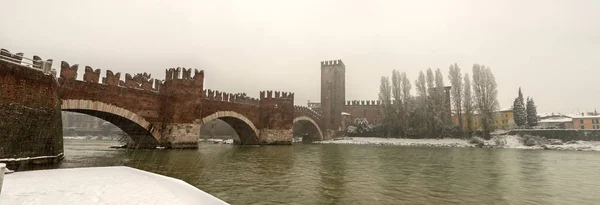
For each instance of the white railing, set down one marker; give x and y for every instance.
(44, 66)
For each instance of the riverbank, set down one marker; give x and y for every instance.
(501, 141)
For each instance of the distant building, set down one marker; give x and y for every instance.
(81, 121)
(504, 119)
(336, 111)
(82, 124)
(316, 106)
(554, 121)
(586, 122)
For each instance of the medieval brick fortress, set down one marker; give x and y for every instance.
(336, 111)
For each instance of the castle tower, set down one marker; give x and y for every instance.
(333, 93)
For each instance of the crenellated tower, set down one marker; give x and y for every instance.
(182, 97)
(333, 93)
(276, 117)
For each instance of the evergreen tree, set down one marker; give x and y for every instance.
(519, 112)
(532, 119)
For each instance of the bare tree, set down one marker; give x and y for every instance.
(397, 103)
(456, 80)
(430, 103)
(385, 97)
(405, 87)
(421, 87)
(486, 97)
(421, 122)
(468, 104)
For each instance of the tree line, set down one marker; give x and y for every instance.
(429, 112)
(525, 115)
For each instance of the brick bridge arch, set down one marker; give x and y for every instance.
(245, 129)
(139, 129)
(310, 121)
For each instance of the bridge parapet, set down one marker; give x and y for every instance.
(238, 98)
(305, 111)
(140, 81)
(36, 63)
(183, 74)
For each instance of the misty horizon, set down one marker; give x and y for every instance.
(547, 48)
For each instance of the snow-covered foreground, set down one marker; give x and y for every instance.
(502, 141)
(101, 185)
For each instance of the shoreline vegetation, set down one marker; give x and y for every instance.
(498, 141)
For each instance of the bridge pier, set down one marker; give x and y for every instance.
(180, 135)
(276, 137)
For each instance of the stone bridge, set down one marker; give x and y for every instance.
(171, 112)
(168, 113)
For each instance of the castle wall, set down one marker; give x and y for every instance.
(363, 109)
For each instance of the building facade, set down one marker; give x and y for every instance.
(586, 122)
(503, 119)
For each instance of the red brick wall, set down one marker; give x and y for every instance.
(277, 112)
(30, 118)
(251, 112)
(371, 112)
(144, 103)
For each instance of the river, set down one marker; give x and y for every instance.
(363, 174)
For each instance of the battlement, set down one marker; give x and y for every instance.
(184, 74)
(332, 63)
(36, 63)
(238, 98)
(363, 103)
(141, 81)
(278, 95)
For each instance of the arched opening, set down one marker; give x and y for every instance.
(141, 132)
(140, 138)
(239, 128)
(79, 125)
(218, 131)
(306, 129)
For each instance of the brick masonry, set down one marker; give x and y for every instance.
(30, 113)
(153, 112)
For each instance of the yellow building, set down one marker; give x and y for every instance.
(586, 122)
(504, 119)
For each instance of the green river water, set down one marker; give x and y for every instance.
(363, 174)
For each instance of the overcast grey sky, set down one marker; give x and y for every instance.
(549, 47)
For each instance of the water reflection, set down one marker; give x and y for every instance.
(356, 174)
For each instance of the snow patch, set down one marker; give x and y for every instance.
(400, 142)
(100, 185)
(500, 141)
(30, 158)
